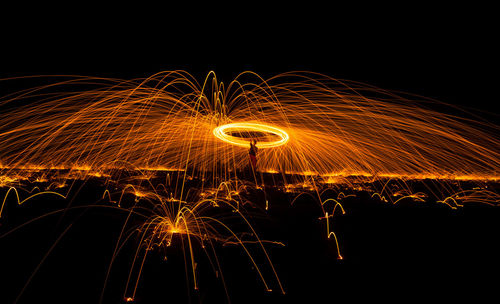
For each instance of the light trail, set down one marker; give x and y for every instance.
(314, 130)
(222, 132)
(309, 122)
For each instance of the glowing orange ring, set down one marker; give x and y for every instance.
(221, 133)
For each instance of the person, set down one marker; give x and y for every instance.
(253, 154)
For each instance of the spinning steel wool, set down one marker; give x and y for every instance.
(311, 129)
(312, 122)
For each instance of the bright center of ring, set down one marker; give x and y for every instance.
(240, 134)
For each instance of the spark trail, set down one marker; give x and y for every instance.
(322, 125)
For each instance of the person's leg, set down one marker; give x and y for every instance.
(253, 166)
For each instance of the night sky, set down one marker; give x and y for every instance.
(445, 53)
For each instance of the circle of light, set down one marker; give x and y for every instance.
(221, 133)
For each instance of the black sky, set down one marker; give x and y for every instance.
(446, 53)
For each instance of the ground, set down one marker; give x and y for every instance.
(390, 252)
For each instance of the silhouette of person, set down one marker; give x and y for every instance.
(253, 154)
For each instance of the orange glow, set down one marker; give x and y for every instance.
(221, 133)
(312, 129)
(308, 123)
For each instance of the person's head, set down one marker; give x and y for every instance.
(254, 141)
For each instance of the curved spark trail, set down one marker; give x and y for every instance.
(248, 131)
(168, 120)
(307, 124)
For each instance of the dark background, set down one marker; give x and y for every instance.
(446, 53)
(442, 52)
